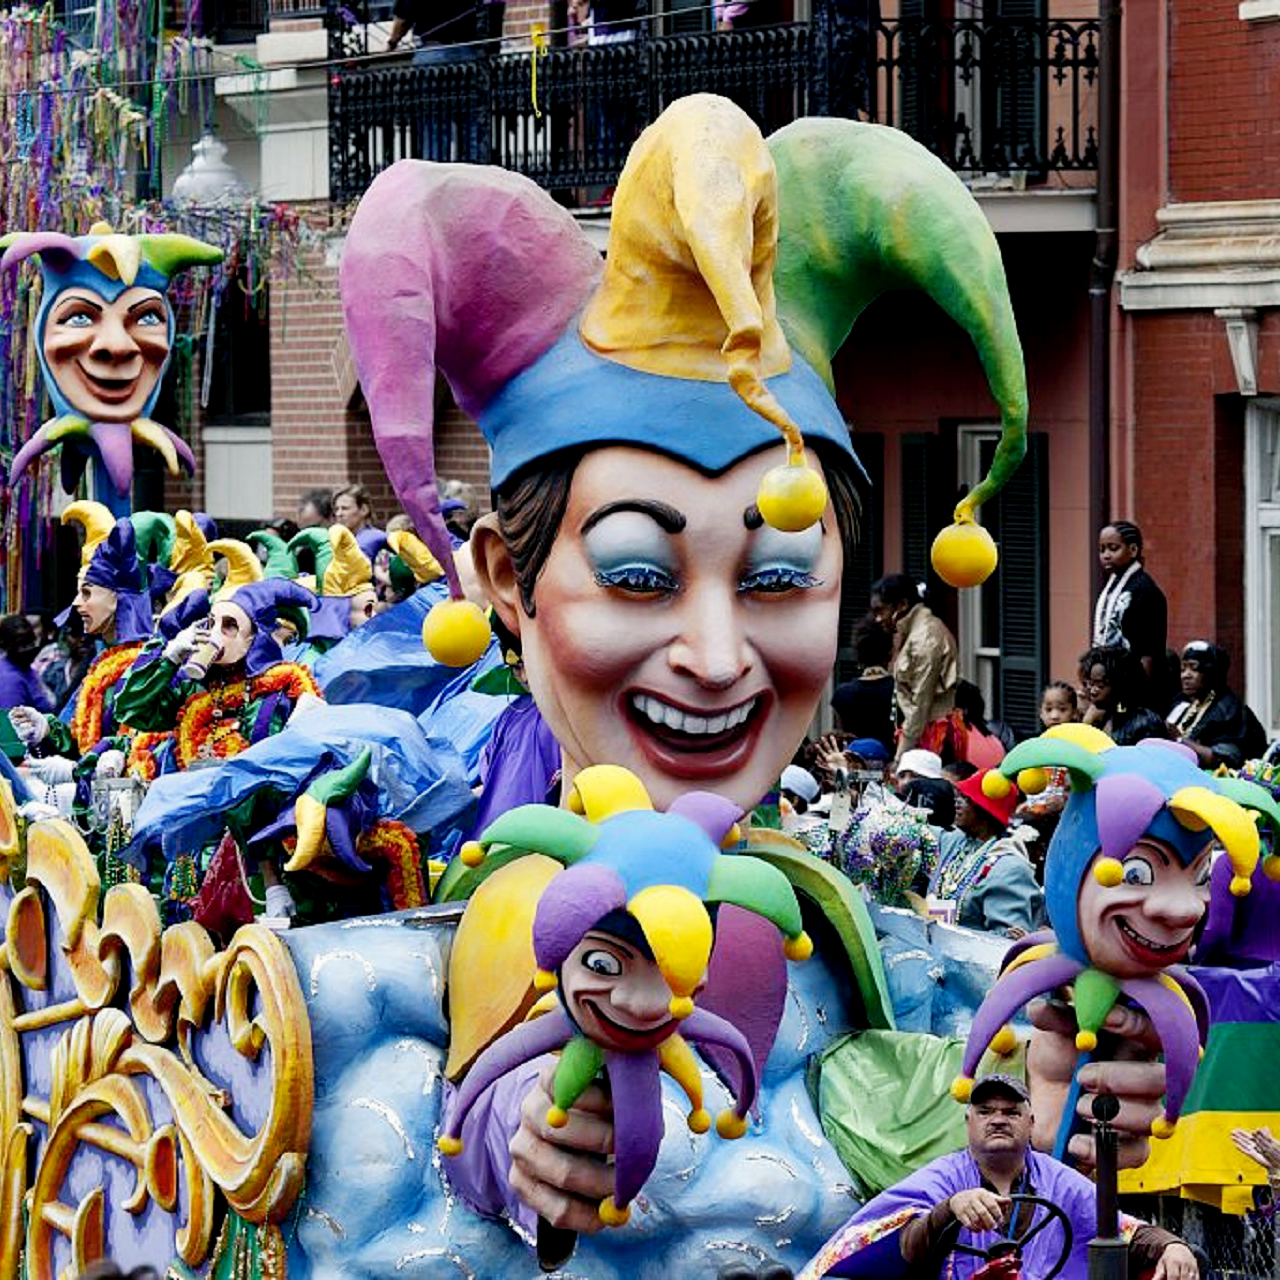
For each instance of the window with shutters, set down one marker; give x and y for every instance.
(867, 562)
(1002, 632)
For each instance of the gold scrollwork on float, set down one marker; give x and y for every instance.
(103, 1052)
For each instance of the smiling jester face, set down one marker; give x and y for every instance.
(616, 994)
(676, 634)
(107, 357)
(1148, 921)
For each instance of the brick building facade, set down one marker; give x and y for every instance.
(1196, 419)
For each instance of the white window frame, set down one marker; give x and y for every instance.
(978, 663)
(1262, 524)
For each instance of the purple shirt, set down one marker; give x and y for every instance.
(21, 687)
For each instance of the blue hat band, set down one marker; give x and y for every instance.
(572, 397)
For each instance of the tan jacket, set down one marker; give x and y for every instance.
(925, 672)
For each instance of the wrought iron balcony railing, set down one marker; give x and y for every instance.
(999, 95)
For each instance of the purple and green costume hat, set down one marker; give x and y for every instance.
(1119, 795)
(660, 868)
(736, 270)
(108, 263)
(109, 559)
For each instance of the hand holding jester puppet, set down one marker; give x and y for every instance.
(622, 938)
(1126, 886)
(104, 333)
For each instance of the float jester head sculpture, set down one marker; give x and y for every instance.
(103, 335)
(630, 913)
(736, 270)
(1126, 886)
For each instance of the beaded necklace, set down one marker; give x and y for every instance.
(956, 877)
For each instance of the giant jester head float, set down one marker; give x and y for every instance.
(622, 938)
(103, 336)
(665, 423)
(1126, 886)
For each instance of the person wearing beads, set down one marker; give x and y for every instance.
(220, 684)
(983, 879)
(1131, 610)
(113, 605)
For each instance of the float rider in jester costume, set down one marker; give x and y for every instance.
(104, 333)
(91, 737)
(220, 683)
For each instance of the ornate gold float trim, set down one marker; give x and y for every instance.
(114, 1040)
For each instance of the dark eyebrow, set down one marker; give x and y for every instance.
(667, 518)
(146, 302)
(80, 298)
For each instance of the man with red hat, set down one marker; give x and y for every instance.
(983, 878)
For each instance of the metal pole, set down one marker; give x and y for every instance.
(1108, 1252)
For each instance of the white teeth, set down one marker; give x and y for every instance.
(663, 713)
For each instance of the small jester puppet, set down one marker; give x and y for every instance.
(343, 581)
(104, 333)
(622, 939)
(1126, 886)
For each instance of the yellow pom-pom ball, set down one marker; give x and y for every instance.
(1031, 782)
(1240, 886)
(681, 1006)
(448, 1146)
(700, 1120)
(1086, 1041)
(729, 1124)
(456, 633)
(544, 980)
(1163, 1127)
(1108, 872)
(611, 1215)
(471, 853)
(961, 1088)
(964, 554)
(792, 497)
(995, 786)
(557, 1117)
(798, 948)
(1271, 866)
(1004, 1042)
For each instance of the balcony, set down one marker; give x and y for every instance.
(1009, 98)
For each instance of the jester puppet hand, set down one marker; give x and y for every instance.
(622, 940)
(104, 332)
(1126, 885)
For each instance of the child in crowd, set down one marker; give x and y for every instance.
(1059, 704)
(1131, 611)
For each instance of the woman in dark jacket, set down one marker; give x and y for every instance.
(1214, 722)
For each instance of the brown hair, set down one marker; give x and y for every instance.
(532, 504)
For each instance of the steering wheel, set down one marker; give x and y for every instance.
(1015, 1244)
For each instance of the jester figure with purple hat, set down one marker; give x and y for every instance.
(1126, 886)
(104, 332)
(622, 939)
(112, 604)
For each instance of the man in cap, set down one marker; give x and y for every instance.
(966, 1198)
